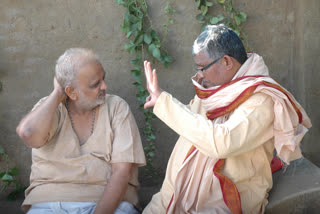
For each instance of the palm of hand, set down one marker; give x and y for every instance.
(152, 85)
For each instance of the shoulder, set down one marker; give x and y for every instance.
(258, 105)
(115, 103)
(258, 99)
(114, 100)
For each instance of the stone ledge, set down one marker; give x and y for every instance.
(296, 189)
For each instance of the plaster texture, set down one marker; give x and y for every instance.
(34, 33)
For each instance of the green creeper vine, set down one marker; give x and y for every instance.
(9, 176)
(231, 17)
(143, 41)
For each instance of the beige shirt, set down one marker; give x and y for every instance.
(238, 140)
(62, 170)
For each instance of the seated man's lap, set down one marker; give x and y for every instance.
(77, 208)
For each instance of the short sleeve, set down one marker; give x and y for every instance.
(55, 121)
(126, 146)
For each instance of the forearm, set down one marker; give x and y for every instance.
(35, 126)
(114, 191)
(240, 133)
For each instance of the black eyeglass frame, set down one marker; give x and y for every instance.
(208, 66)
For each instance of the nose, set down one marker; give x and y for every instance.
(199, 74)
(104, 86)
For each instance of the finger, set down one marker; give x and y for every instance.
(155, 79)
(150, 73)
(147, 72)
(147, 105)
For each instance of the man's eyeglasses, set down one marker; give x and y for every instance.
(207, 66)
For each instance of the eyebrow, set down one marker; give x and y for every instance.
(97, 81)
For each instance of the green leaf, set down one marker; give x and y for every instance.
(147, 38)
(170, 20)
(134, 61)
(1, 151)
(136, 83)
(151, 154)
(209, 4)
(139, 40)
(14, 171)
(221, 1)
(156, 53)
(136, 27)
(199, 17)
(243, 16)
(204, 10)
(129, 34)
(6, 177)
(168, 59)
(120, 2)
(238, 20)
(153, 34)
(136, 74)
(214, 20)
(198, 4)
(133, 19)
(167, 8)
(129, 47)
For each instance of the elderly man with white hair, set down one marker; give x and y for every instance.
(85, 144)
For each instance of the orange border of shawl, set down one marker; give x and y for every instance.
(229, 190)
(241, 98)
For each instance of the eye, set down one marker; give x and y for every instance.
(95, 85)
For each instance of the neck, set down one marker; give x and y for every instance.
(76, 109)
(236, 66)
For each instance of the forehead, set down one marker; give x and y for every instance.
(90, 71)
(201, 58)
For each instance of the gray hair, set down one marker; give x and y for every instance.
(69, 62)
(219, 40)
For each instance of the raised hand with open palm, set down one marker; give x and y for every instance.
(152, 85)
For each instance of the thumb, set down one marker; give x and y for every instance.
(147, 105)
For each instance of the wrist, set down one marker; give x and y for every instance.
(59, 96)
(159, 93)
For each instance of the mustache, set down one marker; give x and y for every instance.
(103, 92)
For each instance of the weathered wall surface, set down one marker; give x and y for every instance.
(34, 33)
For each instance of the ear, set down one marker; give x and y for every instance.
(71, 92)
(227, 62)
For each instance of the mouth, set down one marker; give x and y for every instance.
(102, 94)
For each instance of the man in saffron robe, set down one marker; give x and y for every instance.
(228, 132)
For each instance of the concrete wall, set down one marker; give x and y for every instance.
(34, 33)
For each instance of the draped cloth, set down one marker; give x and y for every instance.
(290, 125)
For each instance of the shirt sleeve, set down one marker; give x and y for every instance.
(126, 146)
(249, 126)
(56, 119)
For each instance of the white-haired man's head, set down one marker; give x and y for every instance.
(69, 62)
